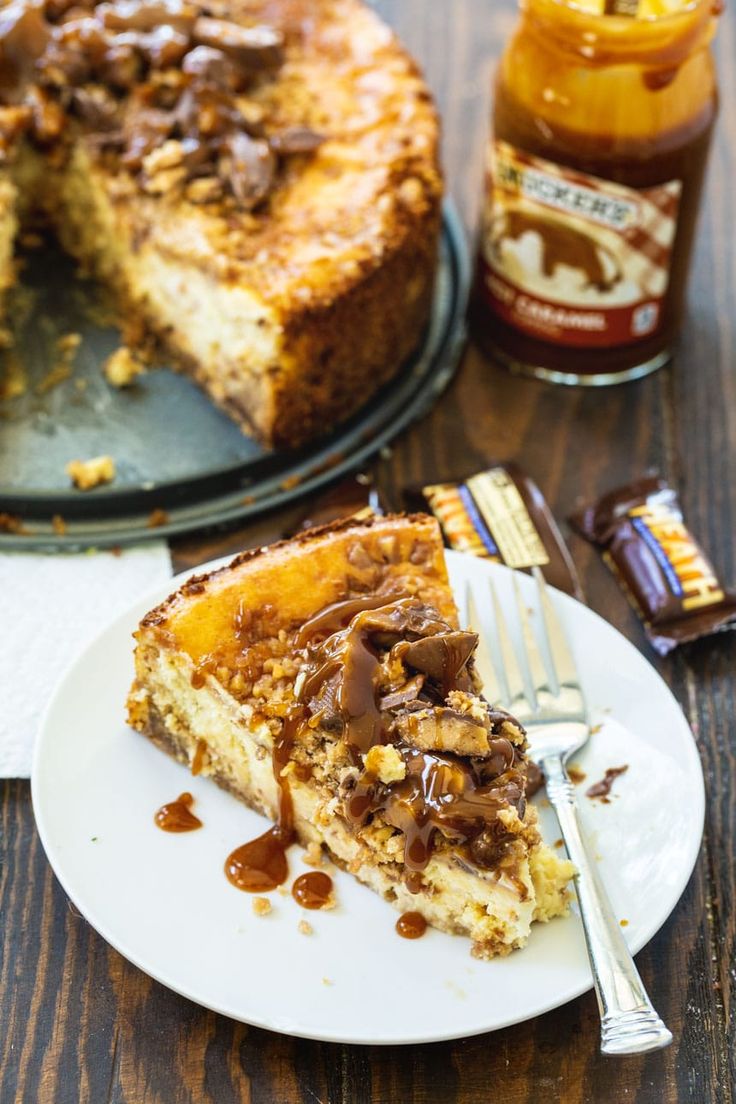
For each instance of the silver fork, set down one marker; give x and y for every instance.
(551, 706)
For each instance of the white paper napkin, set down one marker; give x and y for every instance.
(50, 607)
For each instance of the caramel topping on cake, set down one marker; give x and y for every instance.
(160, 87)
(378, 675)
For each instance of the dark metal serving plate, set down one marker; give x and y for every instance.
(174, 451)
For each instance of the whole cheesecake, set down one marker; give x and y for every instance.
(257, 181)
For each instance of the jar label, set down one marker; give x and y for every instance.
(572, 259)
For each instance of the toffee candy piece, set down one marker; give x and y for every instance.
(501, 515)
(661, 567)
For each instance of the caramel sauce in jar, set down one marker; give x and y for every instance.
(601, 129)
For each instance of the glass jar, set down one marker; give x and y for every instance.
(601, 128)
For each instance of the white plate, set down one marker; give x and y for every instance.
(163, 901)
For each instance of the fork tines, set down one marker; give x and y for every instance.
(525, 681)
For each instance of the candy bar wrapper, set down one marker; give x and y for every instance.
(501, 515)
(662, 569)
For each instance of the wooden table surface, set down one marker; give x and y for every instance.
(79, 1023)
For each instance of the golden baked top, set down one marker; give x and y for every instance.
(325, 77)
(279, 587)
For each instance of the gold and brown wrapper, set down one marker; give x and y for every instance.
(662, 569)
(500, 514)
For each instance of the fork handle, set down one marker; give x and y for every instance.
(629, 1023)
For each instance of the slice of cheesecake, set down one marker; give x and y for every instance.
(324, 680)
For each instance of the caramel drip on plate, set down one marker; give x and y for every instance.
(411, 925)
(312, 890)
(261, 864)
(176, 816)
(603, 788)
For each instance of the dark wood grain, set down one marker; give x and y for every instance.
(78, 1023)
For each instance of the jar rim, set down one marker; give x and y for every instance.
(645, 19)
(610, 39)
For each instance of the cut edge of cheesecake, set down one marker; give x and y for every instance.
(207, 700)
(292, 316)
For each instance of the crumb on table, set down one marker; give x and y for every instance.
(122, 367)
(305, 927)
(86, 474)
(261, 906)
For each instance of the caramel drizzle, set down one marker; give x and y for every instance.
(411, 925)
(200, 757)
(603, 788)
(312, 890)
(350, 654)
(261, 864)
(440, 791)
(460, 798)
(176, 816)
